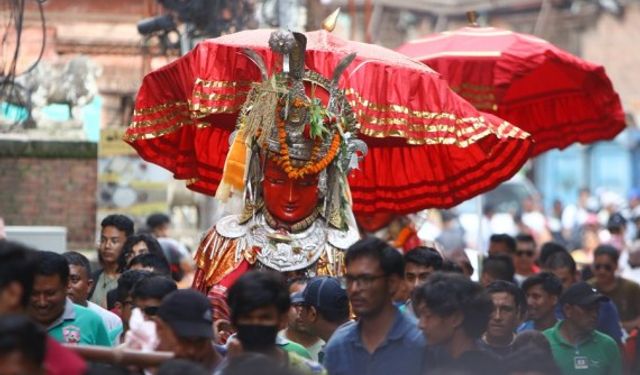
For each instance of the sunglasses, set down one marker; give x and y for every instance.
(527, 253)
(150, 310)
(606, 267)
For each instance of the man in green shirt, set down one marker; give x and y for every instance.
(49, 305)
(576, 345)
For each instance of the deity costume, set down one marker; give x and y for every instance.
(290, 154)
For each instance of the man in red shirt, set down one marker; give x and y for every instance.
(17, 271)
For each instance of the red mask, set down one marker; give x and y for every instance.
(287, 200)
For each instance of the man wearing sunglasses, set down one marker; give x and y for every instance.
(624, 293)
(384, 340)
(524, 259)
(148, 294)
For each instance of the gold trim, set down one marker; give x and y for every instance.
(221, 84)
(166, 118)
(403, 110)
(162, 132)
(219, 97)
(426, 141)
(157, 108)
(208, 110)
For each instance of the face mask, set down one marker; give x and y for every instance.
(257, 338)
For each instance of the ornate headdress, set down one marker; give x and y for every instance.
(298, 131)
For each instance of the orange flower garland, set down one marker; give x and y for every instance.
(313, 166)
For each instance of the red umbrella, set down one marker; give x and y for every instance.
(556, 97)
(427, 146)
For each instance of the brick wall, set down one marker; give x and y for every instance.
(37, 189)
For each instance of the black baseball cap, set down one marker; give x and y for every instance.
(616, 221)
(188, 313)
(325, 293)
(582, 294)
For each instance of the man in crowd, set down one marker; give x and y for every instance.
(18, 265)
(509, 308)
(324, 308)
(624, 293)
(114, 232)
(497, 267)
(453, 313)
(65, 321)
(259, 303)
(147, 294)
(383, 340)
(124, 299)
(542, 292)
(80, 284)
(296, 332)
(564, 267)
(525, 255)
(184, 325)
(419, 263)
(502, 244)
(576, 345)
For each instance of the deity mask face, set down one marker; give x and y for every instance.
(288, 200)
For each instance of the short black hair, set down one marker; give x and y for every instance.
(126, 282)
(74, 258)
(152, 244)
(121, 222)
(609, 251)
(548, 249)
(158, 219)
(524, 237)
(257, 289)
(19, 334)
(391, 260)
(18, 264)
(501, 286)
(50, 264)
(560, 260)
(155, 286)
(447, 293)
(424, 256)
(549, 282)
(506, 239)
(450, 266)
(159, 264)
(499, 266)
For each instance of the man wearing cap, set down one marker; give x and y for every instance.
(184, 325)
(324, 308)
(576, 345)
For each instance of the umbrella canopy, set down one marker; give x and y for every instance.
(558, 98)
(427, 146)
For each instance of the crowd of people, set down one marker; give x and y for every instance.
(537, 308)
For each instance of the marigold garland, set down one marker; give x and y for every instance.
(313, 166)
